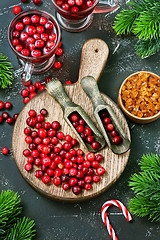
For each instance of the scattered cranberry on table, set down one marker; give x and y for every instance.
(36, 2)
(54, 155)
(5, 150)
(17, 10)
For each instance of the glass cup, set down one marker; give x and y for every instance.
(31, 64)
(82, 16)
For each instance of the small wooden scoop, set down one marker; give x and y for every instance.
(56, 90)
(90, 86)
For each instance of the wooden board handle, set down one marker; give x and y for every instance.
(93, 58)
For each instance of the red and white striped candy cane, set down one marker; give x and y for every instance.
(105, 219)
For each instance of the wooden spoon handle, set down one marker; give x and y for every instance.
(93, 58)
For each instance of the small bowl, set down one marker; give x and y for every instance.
(132, 117)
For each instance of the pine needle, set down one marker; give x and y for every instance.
(9, 209)
(146, 186)
(22, 230)
(6, 71)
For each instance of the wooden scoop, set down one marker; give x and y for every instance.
(90, 86)
(56, 90)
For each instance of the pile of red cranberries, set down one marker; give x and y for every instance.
(110, 128)
(5, 116)
(34, 36)
(84, 131)
(74, 5)
(53, 153)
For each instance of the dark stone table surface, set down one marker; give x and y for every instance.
(81, 221)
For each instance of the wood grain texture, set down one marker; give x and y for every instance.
(94, 55)
(114, 164)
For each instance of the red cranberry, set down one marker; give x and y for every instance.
(89, 3)
(5, 115)
(10, 120)
(38, 173)
(40, 29)
(35, 19)
(76, 190)
(65, 186)
(81, 121)
(32, 113)
(37, 84)
(74, 117)
(50, 44)
(27, 131)
(15, 116)
(34, 134)
(46, 140)
(95, 145)
(81, 183)
(80, 129)
(74, 9)
(72, 152)
(50, 172)
(59, 51)
(86, 164)
(74, 142)
(32, 88)
(54, 140)
(67, 146)
(46, 179)
(88, 186)
(83, 136)
(80, 174)
(85, 170)
(16, 34)
(51, 132)
(87, 131)
(114, 133)
(31, 95)
(117, 140)
(24, 0)
(44, 112)
(60, 135)
(43, 20)
(73, 181)
(34, 153)
(75, 124)
(31, 47)
(99, 157)
(46, 161)
(110, 127)
(90, 156)
(1, 105)
(19, 26)
(40, 147)
(19, 48)
(107, 120)
(53, 165)
(68, 82)
(65, 7)
(56, 181)
(52, 37)
(37, 36)
(71, 2)
(72, 172)
(42, 88)
(38, 161)
(5, 150)
(49, 25)
(24, 93)
(17, 9)
(32, 146)
(15, 42)
(24, 36)
(28, 167)
(74, 159)
(37, 140)
(57, 65)
(42, 133)
(31, 121)
(80, 152)
(25, 52)
(96, 178)
(31, 30)
(57, 172)
(36, 53)
(90, 171)
(26, 152)
(1, 119)
(59, 2)
(36, 2)
(40, 118)
(44, 36)
(79, 2)
(100, 171)
(30, 159)
(68, 164)
(95, 164)
(90, 139)
(28, 139)
(88, 179)
(39, 43)
(26, 20)
(80, 159)
(27, 83)
(44, 168)
(26, 100)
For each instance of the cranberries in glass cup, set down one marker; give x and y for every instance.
(34, 37)
(77, 15)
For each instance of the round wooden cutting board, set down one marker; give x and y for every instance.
(114, 164)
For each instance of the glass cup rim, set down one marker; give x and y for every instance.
(27, 58)
(75, 13)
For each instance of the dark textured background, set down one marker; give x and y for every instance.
(81, 221)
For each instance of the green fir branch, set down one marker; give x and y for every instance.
(23, 229)
(146, 186)
(9, 209)
(145, 48)
(6, 72)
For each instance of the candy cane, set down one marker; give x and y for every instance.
(105, 219)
